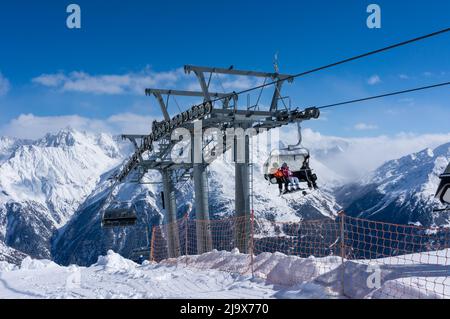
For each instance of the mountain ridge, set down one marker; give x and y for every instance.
(401, 190)
(52, 190)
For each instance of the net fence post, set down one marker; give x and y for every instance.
(252, 241)
(342, 235)
(152, 245)
(186, 225)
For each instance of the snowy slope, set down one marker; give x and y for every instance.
(227, 275)
(43, 182)
(400, 191)
(10, 255)
(115, 277)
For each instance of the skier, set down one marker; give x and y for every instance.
(289, 177)
(280, 179)
(306, 174)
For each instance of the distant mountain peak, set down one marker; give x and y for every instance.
(43, 183)
(402, 190)
(64, 137)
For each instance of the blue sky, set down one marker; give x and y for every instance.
(94, 77)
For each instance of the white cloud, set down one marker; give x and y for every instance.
(352, 158)
(4, 85)
(51, 80)
(365, 127)
(403, 76)
(239, 83)
(136, 82)
(374, 79)
(128, 83)
(31, 126)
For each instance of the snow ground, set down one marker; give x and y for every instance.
(214, 275)
(115, 277)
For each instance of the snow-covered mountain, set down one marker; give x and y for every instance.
(82, 239)
(400, 191)
(43, 182)
(52, 190)
(8, 145)
(10, 255)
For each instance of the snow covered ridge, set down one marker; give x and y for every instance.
(401, 191)
(8, 145)
(58, 171)
(51, 191)
(10, 255)
(82, 239)
(213, 275)
(43, 182)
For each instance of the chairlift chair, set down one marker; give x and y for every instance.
(297, 158)
(119, 214)
(443, 193)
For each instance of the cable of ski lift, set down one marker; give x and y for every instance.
(206, 107)
(295, 158)
(357, 57)
(385, 95)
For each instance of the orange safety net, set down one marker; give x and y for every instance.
(413, 260)
(407, 261)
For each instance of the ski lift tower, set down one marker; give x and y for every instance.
(197, 170)
(227, 115)
(242, 165)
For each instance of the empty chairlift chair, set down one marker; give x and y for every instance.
(119, 215)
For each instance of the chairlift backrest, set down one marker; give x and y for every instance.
(447, 170)
(443, 192)
(294, 158)
(119, 214)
